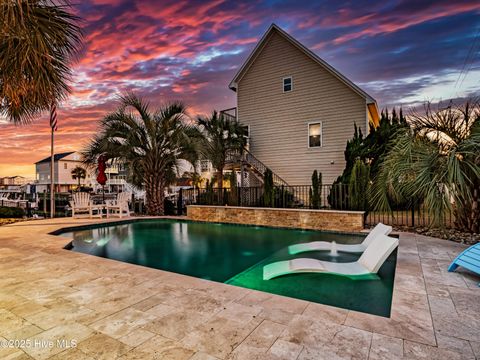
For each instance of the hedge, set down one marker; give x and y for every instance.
(11, 212)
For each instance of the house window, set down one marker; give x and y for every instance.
(246, 128)
(204, 165)
(287, 84)
(65, 166)
(315, 134)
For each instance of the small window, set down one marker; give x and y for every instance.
(287, 84)
(65, 165)
(315, 134)
(204, 165)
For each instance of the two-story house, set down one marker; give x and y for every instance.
(299, 110)
(64, 163)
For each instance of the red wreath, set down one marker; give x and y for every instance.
(101, 177)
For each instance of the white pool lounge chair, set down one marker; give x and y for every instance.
(380, 229)
(366, 267)
(81, 204)
(119, 207)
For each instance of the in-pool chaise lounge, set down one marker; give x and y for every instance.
(366, 267)
(380, 229)
(469, 259)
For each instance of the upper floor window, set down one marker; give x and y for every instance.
(287, 84)
(65, 165)
(315, 134)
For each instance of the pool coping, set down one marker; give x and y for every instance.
(411, 317)
(186, 219)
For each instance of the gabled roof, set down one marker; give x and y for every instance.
(56, 157)
(258, 48)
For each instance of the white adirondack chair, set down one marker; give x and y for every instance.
(119, 207)
(81, 204)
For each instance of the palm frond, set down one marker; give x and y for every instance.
(38, 42)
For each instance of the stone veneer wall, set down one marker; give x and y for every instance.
(292, 218)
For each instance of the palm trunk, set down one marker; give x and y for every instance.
(155, 196)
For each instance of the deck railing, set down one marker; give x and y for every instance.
(247, 158)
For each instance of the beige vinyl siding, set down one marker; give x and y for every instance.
(279, 121)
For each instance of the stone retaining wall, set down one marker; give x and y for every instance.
(334, 220)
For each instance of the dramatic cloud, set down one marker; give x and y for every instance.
(402, 52)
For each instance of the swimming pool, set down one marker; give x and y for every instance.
(236, 254)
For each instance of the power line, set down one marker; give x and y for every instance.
(468, 59)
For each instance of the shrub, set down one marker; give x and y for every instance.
(268, 189)
(11, 212)
(169, 207)
(315, 190)
(358, 186)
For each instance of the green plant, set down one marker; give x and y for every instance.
(315, 190)
(38, 41)
(220, 137)
(359, 185)
(11, 212)
(169, 207)
(233, 194)
(149, 143)
(437, 160)
(78, 173)
(371, 149)
(268, 188)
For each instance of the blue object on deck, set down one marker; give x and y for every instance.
(469, 259)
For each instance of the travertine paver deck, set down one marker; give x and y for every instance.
(118, 310)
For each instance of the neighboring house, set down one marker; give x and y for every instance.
(65, 163)
(299, 110)
(13, 180)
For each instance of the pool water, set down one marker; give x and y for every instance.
(236, 254)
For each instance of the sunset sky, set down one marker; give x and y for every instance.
(401, 52)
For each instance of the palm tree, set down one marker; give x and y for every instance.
(149, 143)
(436, 160)
(38, 41)
(78, 173)
(221, 137)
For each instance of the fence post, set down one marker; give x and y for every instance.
(45, 203)
(180, 203)
(413, 213)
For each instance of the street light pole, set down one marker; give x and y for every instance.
(53, 126)
(52, 180)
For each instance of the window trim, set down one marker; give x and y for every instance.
(321, 134)
(248, 131)
(291, 83)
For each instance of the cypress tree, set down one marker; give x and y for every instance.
(315, 190)
(358, 186)
(268, 189)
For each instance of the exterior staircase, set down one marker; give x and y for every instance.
(247, 160)
(252, 164)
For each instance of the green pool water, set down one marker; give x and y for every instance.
(236, 254)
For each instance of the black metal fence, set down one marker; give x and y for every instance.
(409, 214)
